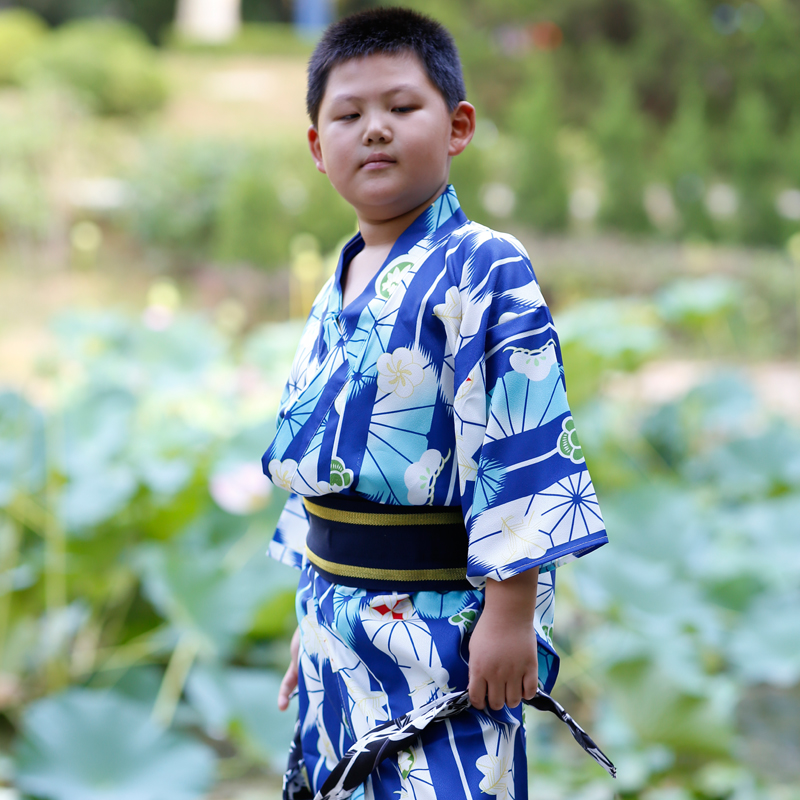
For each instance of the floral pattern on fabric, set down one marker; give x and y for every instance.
(442, 384)
(369, 657)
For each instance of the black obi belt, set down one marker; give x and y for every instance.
(357, 542)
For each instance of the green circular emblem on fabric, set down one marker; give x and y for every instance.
(568, 444)
(390, 278)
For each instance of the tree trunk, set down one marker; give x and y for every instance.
(213, 21)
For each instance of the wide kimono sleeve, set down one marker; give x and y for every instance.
(289, 540)
(526, 493)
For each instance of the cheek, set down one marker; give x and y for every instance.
(330, 156)
(430, 150)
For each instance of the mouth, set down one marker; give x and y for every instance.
(377, 161)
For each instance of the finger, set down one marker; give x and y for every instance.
(284, 695)
(477, 693)
(530, 685)
(513, 694)
(497, 695)
(288, 685)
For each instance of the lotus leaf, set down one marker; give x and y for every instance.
(100, 745)
(693, 301)
(245, 701)
(22, 447)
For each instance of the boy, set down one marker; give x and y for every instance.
(424, 434)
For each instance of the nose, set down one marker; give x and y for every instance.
(377, 130)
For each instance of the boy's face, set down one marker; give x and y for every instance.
(385, 136)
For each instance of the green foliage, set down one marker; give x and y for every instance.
(21, 31)
(109, 64)
(791, 154)
(69, 751)
(177, 190)
(168, 596)
(753, 150)
(27, 144)
(620, 135)
(662, 89)
(21, 446)
(126, 494)
(699, 301)
(540, 174)
(686, 153)
(591, 345)
(191, 585)
(241, 702)
(664, 92)
(250, 216)
(687, 624)
(238, 203)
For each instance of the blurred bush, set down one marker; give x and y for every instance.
(233, 202)
(20, 33)
(108, 63)
(153, 16)
(540, 175)
(619, 131)
(176, 190)
(29, 142)
(690, 106)
(672, 120)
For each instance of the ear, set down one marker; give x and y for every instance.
(462, 127)
(315, 147)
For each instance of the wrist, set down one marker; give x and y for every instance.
(513, 600)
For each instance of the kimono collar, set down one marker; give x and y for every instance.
(442, 217)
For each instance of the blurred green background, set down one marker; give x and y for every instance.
(162, 234)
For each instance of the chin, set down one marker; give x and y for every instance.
(386, 202)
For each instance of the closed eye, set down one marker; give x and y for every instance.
(349, 116)
(404, 109)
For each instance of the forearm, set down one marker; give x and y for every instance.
(503, 649)
(514, 599)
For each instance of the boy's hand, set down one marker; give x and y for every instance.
(289, 682)
(503, 663)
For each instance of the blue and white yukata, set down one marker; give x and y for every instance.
(441, 384)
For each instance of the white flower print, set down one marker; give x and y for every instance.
(283, 472)
(326, 745)
(421, 476)
(535, 365)
(450, 314)
(497, 776)
(523, 538)
(400, 372)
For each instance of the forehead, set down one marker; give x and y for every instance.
(377, 74)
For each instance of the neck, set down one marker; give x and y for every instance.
(383, 232)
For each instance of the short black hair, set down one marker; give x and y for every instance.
(387, 30)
